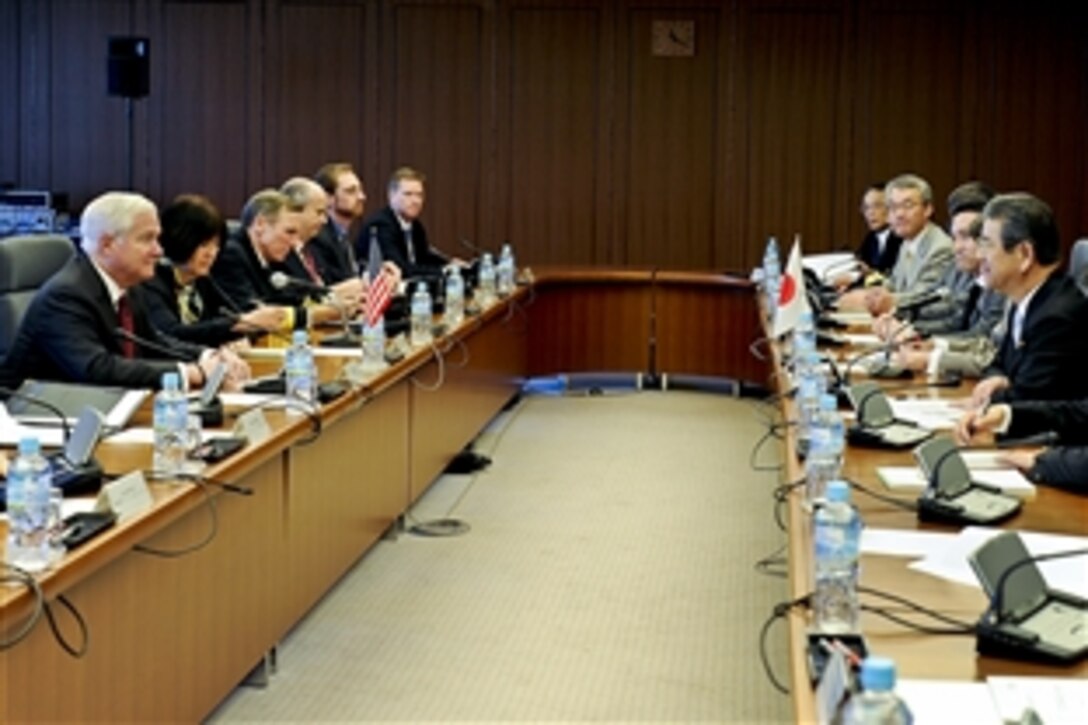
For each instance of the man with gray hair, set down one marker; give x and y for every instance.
(307, 200)
(924, 257)
(88, 323)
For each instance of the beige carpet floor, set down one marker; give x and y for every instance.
(608, 576)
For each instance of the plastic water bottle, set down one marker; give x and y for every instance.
(836, 430)
(455, 299)
(422, 316)
(33, 510)
(804, 335)
(808, 406)
(836, 538)
(300, 372)
(505, 275)
(169, 419)
(821, 462)
(877, 703)
(374, 346)
(485, 289)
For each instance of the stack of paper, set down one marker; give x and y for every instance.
(930, 413)
(910, 479)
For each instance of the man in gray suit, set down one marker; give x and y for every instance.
(924, 257)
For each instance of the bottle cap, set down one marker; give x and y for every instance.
(878, 674)
(421, 286)
(837, 491)
(299, 337)
(170, 381)
(29, 446)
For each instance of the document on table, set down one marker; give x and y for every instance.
(904, 542)
(929, 413)
(943, 701)
(835, 263)
(1067, 575)
(1055, 701)
(910, 479)
(11, 431)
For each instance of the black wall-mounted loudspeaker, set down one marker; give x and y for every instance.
(128, 64)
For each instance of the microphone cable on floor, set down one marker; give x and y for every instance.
(779, 612)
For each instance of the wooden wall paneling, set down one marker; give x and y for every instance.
(87, 130)
(569, 320)
(553, 112)
(10, 55)
(438, 88)
(204, 140)
(706, 327)
(318, 78)
(733, 250)
(913, 90)
(792, 67)
(1038, 135)
(670, 144)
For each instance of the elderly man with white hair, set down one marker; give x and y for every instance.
(89, 324)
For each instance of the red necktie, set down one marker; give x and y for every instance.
(308, 262)
(124, 316)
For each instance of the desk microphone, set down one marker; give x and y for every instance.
(44, 404)
(282, 281)
(912, 308)
(467, 244)
(172, 353)
(1004, 629)
(74, 470)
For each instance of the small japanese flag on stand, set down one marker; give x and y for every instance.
(792, 300)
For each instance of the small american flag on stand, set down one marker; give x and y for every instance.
(380, 292)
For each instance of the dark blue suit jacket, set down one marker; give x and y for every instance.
(69, 334)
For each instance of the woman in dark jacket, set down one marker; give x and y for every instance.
(183, 300)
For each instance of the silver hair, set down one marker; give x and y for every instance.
(911, 181)
(300, 191)
(113, 214)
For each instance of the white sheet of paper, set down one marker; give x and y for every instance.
(1068, 575)
(11, 432)
(1059, 701)
(903, 542)
(909, 479)
(943, 701)
(834, 262)
(931, 414)
(862, 339)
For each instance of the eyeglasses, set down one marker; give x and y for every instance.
(908, 205)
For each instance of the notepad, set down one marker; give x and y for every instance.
(910, 479)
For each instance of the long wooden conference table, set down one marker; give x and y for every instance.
(170, 637)
(917, 656)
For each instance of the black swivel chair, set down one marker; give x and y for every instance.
(1078, 264)
(26, 262)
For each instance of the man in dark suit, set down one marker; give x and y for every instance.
(1041, 356)
(86, 323)
(1065, 465)
(334, 245)
(398, 231)
(248, 261)
(879, 249)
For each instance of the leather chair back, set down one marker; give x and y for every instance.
(1078, 264)
(26, 262)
